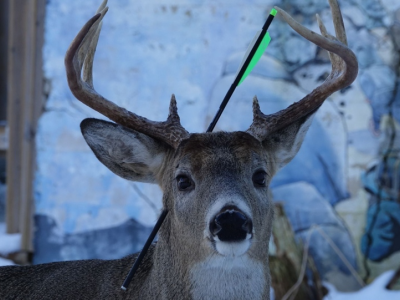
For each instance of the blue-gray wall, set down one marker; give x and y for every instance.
(151, 49)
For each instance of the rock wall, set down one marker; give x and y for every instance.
(345, 178)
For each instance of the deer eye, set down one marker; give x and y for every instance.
(184, 182)
(259, 178)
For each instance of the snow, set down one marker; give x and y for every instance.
(375, 290)
(5, 262)
(9, 243)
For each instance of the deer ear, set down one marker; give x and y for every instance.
(128, 153)
(286, 142)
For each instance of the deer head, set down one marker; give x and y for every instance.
(215, 185)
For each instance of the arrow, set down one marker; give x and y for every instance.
(259, 44)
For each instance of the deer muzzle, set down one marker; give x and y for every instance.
(231, 225)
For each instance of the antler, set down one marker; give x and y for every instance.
(344, 72)
(79, 59)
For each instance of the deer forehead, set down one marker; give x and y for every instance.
(216, 154)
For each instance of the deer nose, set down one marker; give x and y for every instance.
(231, 225)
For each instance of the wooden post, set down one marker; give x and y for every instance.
(285, 264)
(3, 137)
(25, 101)
(3, 61)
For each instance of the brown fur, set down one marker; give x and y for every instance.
(220, 164)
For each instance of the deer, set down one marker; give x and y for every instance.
(214, 241)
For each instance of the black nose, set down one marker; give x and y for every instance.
(231, 226)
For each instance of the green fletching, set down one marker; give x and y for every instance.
(259, 52)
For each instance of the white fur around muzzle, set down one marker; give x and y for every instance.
(228, 249)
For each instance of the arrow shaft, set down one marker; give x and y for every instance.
(241, 73)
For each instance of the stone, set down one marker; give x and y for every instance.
(390, 5)
(355, 14)
(331, 267)
(311, 7)
(52, 244)
(298, 50)
(378, 83)
(305, 206)
(374, 9)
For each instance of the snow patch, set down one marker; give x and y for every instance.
(373, 291)
(9, 243)
(5, 262)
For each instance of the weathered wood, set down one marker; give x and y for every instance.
(284, 276)
(394, 282)
(3, 137)
(24, 100)
(286, 262)
(3, 60)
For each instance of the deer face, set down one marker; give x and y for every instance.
(215, 184)
(220, 191)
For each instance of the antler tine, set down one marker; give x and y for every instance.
(344, 72)
(340, 31)
(79, 61)
(87, 53)
(335, 60)
(102, 6)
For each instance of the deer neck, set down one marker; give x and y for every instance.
(186, 273)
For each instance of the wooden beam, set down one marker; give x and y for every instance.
(3, 59)
(3, 136)
(25, 101)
